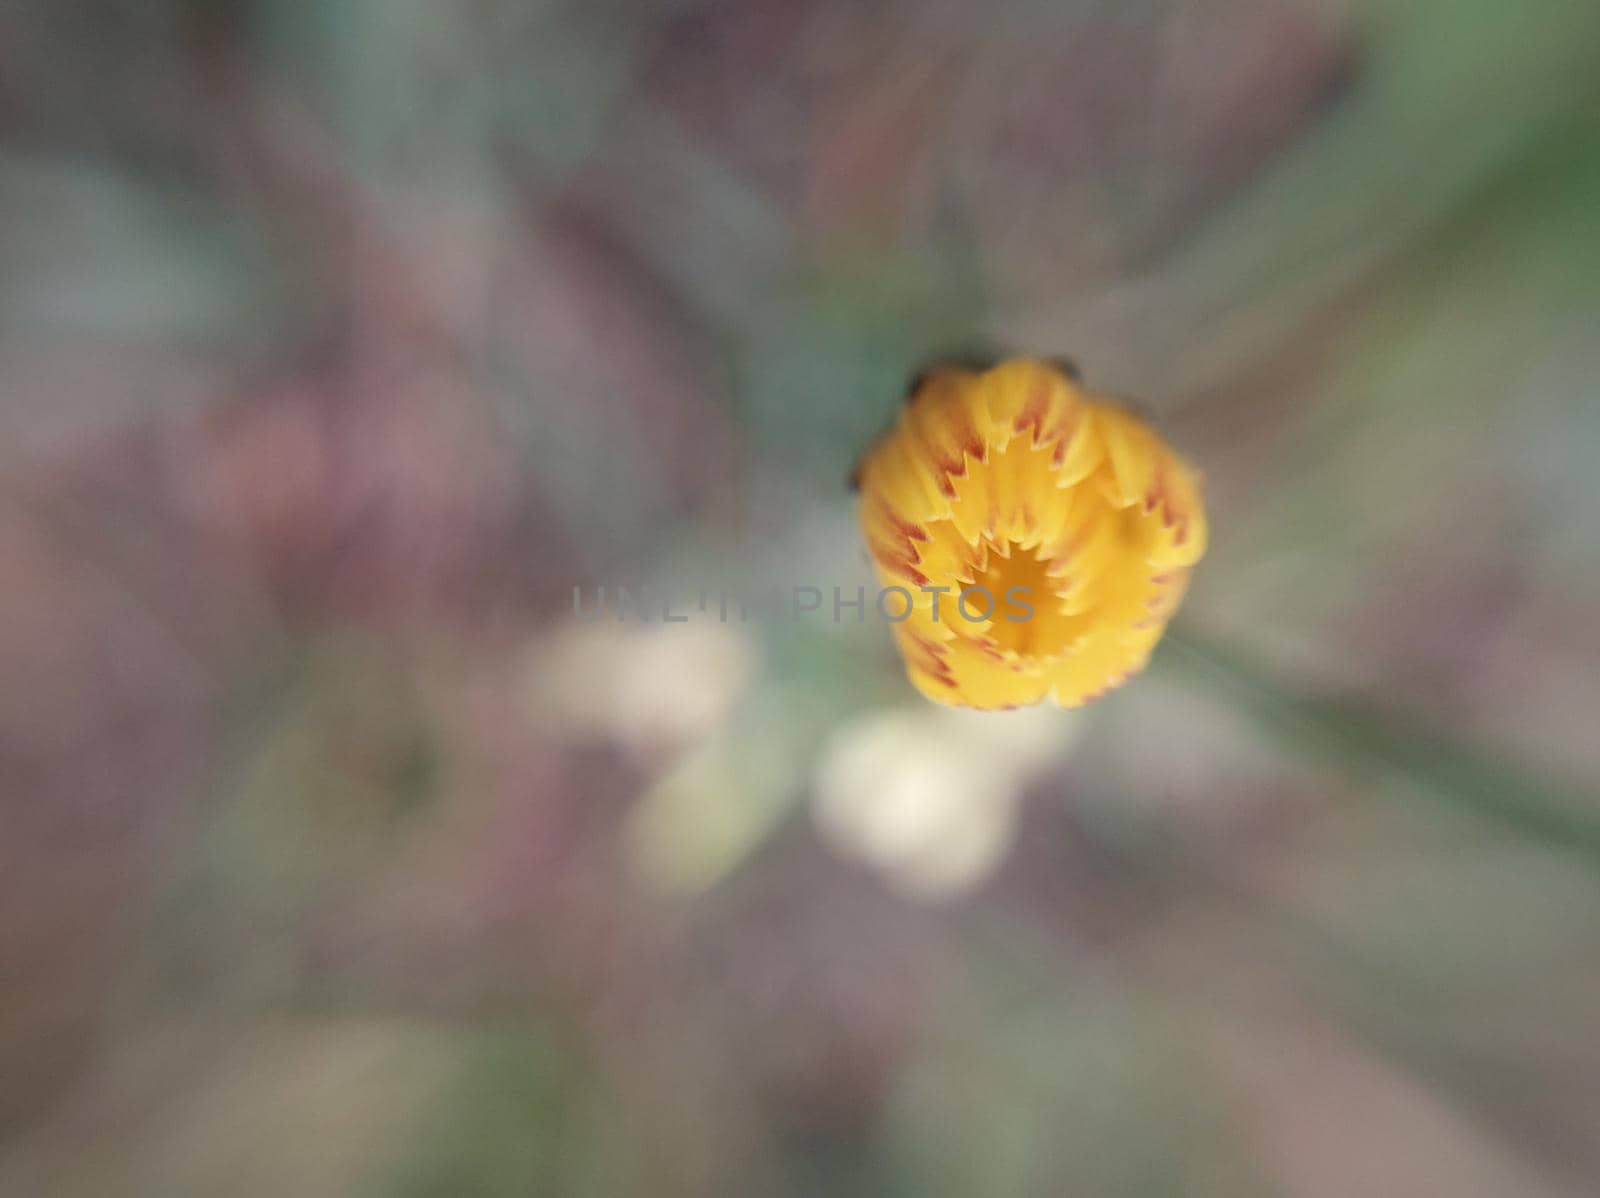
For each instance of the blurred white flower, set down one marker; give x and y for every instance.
(649, 688)
(928, 797)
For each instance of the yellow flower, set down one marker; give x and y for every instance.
(1039, 537)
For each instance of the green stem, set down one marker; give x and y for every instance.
(1351, 734)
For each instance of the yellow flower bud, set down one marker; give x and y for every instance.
(1062, 527)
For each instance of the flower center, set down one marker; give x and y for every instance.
(1018, 581)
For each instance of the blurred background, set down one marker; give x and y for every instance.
(341, 339)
